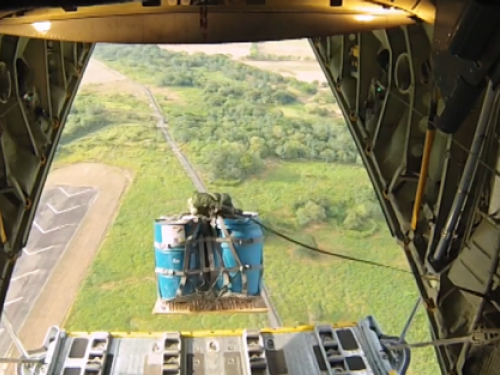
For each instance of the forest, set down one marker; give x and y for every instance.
(243, 107)
(256, 55)
(243, 123)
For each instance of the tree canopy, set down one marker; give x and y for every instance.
(242, 121)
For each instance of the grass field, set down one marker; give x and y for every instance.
(119, 291)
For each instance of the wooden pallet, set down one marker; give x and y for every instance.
(228, 305)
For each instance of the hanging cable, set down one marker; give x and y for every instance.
(324, 252)
(476, 338)
(408, 323)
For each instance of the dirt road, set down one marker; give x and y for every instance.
(97, 73)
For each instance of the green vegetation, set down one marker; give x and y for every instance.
(119, 292)
(273, 144)
(256, 55)
(243, 111)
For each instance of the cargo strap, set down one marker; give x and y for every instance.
(213, 253)
(238, 241)
(221, 270)
(244, 281)
(169, 272)
(203, 234)
(217, 271)
(201, 253)
(480, 337)
(187, 259)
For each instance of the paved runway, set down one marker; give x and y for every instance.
(61, 210)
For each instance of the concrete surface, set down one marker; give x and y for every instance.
(60, 212)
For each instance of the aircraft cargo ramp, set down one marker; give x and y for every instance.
(349, 348)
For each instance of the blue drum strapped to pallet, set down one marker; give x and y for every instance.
(233, 251)
(246, 237)
(171, 252)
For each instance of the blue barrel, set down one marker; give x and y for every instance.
(169, 255)
(249, 254)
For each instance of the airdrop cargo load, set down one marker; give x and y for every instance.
(210, 260)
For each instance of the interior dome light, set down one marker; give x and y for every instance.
(42, 26)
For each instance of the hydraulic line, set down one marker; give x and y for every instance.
(429, 141)
(3, 234)
(468, 174)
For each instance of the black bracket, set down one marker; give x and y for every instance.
(470, 43)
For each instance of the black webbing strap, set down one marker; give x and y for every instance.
(211, 257)
(239, 241)
(187, 259)
(201, 255)
(244, 280)
(221, 269)
(167, 272)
